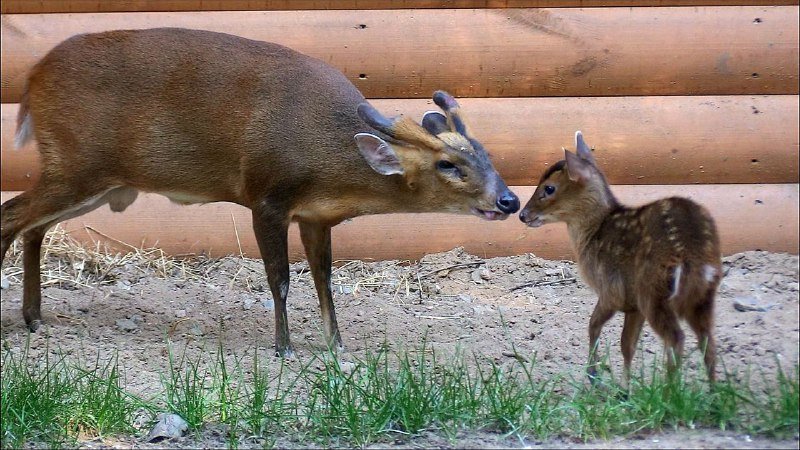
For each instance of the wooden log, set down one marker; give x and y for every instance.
(486, 52)
(749, 217)
(638, 140)
(84, 6)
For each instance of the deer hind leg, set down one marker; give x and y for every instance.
(317, 242)
(701, 320)
(33, 213)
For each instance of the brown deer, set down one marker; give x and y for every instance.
(659, 262)
(205, 117)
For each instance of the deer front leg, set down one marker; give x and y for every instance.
(600, 316)
(317, 242)
(271, 229)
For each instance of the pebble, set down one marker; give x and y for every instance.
(268, 304)
(464, 298)
(127, 324)
(4, 283)
(744, 304)
(169, 426)
(476, 276)
(180, 313)
(248, 303)
(347, 367)
(196, 329)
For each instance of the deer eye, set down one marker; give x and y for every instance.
(446, 166)
(549, 189)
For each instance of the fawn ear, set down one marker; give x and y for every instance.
(378, 154)
(582, 148)
(578, 169)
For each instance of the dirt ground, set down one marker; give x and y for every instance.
(455, 299)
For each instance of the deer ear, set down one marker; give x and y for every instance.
(378, 154)
(578, 169)
(435, 122)
(582, 148)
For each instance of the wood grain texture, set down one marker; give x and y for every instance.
(486, 52)
(638, 140)
(749, 217)
(82, 6)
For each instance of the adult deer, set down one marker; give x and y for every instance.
(203, 117)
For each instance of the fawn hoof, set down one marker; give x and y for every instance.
(286, 352)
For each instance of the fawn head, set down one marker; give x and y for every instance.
(439, 160)
(572, 189)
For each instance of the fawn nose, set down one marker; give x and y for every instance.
(507, 202)
(523, 216)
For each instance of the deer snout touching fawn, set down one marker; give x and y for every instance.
(204, 117)
(659, 262)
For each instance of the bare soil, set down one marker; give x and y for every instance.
(453, 299)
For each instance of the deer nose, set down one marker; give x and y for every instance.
(523, 216)
(507, 202)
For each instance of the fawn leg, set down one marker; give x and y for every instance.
(702, 323)
(631, 330)
(664, 322)
(600, 316)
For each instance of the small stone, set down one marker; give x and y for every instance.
(196, 329)
(745, 304)
(464, 298)
(4, 283)
(169, 426)
(486, 274)
(551, 272)
(180, 313)
(137, 319)
(127, 325)
(476, 277)
(268, 304)
(347, 367)
(248, 303)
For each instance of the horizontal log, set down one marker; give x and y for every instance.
(749, 217)
(638, 140)
(83, 6)
(486, 52)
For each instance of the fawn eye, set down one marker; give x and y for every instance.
(549, 189)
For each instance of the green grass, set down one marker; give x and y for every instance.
(52, 400)
(381, 396)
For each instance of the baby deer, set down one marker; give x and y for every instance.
(659, 262)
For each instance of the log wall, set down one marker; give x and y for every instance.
(700, 102)
(486, 52)
(83, 6)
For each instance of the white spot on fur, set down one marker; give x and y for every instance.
(284, 289)
(24, 132)
(183, 198)
(709, 273)
(676, 281)
(73, 211)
